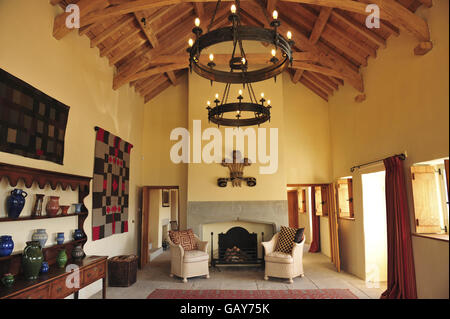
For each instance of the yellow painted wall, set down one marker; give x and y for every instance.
(407, 109)
(162, 114)
(307, 153)
(71, 72)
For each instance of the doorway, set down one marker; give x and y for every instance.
(375, 226)
(160, 213)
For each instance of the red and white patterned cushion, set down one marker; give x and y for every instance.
(185, 238)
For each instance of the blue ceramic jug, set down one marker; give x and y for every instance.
(6, 246)
(15, 203)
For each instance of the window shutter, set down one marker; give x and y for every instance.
(350, 197)
(426, 202)
(324, 195)
(318, 200)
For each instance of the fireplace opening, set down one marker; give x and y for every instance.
(236, 247)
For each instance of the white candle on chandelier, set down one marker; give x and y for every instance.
(274, 52)
(197, 22)
(262, 95)
(289, 35)
(275, 14)
(211, 57)
(243, 61)
(240, 92)
(217, 96)
(191, 42)
(208, 103)
(268, 102)
(233, 9)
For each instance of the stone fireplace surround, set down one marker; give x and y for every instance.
(266, 212)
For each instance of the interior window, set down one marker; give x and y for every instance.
(302, 201)
(430, 192)
(321, 200)
(344, 190)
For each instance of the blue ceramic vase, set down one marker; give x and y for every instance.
(41, 236)
(45, 267)
(60, 238)
(78, 208)
(78, 234)
(6, 246)
(15, 203)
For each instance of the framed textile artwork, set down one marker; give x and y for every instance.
(165, 198)
(110, 186)
(32, 124)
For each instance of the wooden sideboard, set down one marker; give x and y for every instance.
(53, 284)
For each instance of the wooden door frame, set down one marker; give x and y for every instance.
(144, 220)
(296, 212)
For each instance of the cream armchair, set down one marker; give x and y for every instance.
(283, 265)
(192, 263)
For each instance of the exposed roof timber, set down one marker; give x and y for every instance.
(391, 11)
(146, 28)
(320, 92)
(109, 31)
(361, 29)
(320, 24)
(86, 6)
(331, 39)
(325, 56)
(158, 70)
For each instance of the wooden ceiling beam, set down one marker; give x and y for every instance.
(361, 29)
(320, 24)
(156, 81)
(146, 28)
(327, 81)
(322, 85)
(172, 77)
(199, 9)
(122, 54)
(326, 56)
(297, 75)
(159, 70)
(316, 68)
(119, 43)
(112, 29)
(314, 88)
(86, 6)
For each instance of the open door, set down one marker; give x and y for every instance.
(293, 208)
(333, 225)
(143, 258)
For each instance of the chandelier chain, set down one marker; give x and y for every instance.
(214, 15)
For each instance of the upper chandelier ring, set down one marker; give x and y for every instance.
(228, 34)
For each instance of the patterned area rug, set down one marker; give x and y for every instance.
(252, 294)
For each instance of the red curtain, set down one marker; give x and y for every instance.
(401, 273)
(315, 244)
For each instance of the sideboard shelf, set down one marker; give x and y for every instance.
(51, 247)
(7, 219)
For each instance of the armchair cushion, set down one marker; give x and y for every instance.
(192, 256)
(278, 257)
(185, 238)
(286, 240)
(299, 235)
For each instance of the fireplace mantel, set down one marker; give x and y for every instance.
(267, 212)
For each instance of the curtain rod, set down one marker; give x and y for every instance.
(402, 157)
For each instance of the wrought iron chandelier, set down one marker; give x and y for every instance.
(240, 113)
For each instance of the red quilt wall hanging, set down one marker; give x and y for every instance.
(110, 187)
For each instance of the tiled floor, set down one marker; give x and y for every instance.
(319, 274)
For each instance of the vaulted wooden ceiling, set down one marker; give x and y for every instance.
(146, 40)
